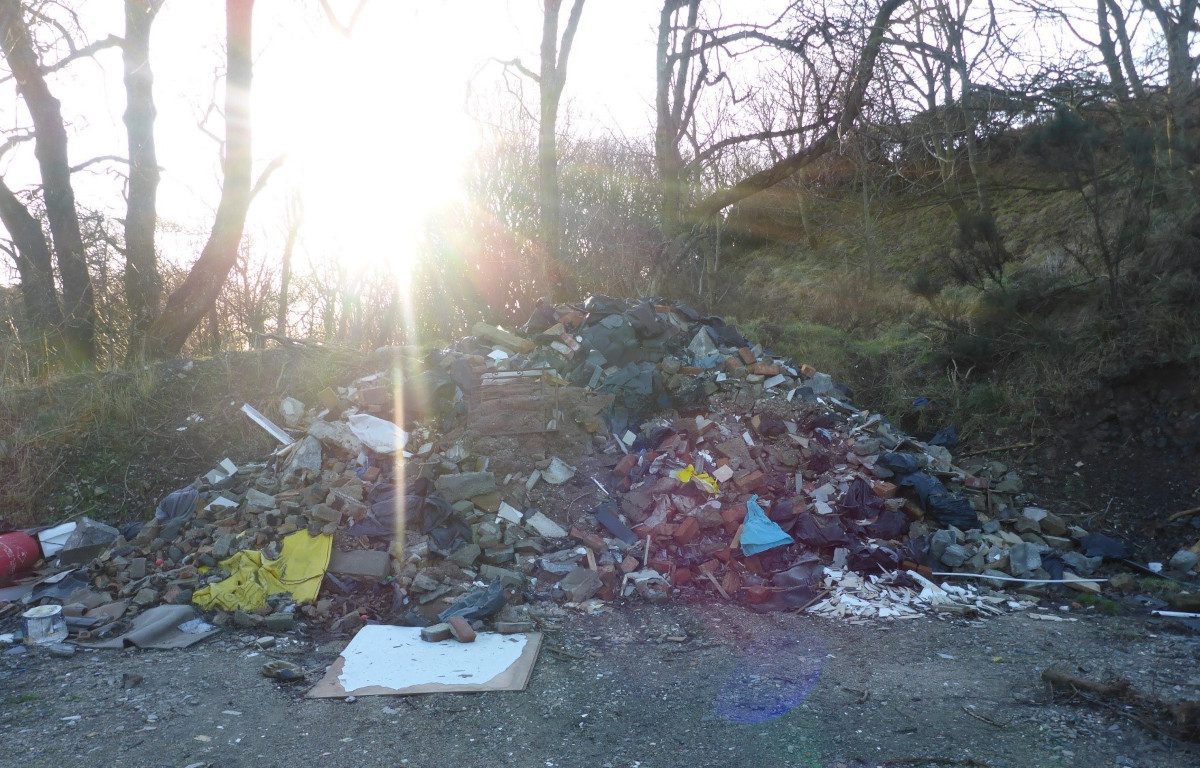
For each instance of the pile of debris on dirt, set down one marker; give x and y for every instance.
(617, 449)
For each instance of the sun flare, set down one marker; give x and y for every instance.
(371, 164)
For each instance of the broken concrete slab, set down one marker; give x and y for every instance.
(580, 584)
(292, 411)
(465, 485)
(544, 526)
(367, 563)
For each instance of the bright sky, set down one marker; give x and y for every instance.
(376, 128)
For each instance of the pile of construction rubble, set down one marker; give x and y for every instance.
(617, 449)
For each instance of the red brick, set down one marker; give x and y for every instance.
(808, 371)
(757, 594)
(691, 370)
(629, 564)
(764, 369)
(687, 531)
(924, 570)
(461, 629)
(734, 513)
(572, 319)
(371, 475)
(681, 576)
(754, 565)
(588, 539)
(883, 489)
(750, 481)
(660, 564)
(710, 566)
(746, 355)
(732, 364)
(626, 465)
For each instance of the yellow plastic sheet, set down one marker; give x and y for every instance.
(703, 480)
(252, 578)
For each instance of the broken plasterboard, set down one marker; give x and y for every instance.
(384, 660)
(269, 426)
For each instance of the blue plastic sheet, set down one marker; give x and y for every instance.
(760, 533)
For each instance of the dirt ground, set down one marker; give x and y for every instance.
(612, 691)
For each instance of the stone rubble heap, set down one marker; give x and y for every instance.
(616, 449)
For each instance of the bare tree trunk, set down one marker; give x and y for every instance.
(552, 76)
(1126, 50)
(671, 95)
(38, 296)
(1108, 50)
(295, 219)
(188, 304)
(143, 284)
(50, 147)
(1176, 24)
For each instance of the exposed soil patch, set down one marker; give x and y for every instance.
(742, 689)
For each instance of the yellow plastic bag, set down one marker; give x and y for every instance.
(298, 570)
(703, 480)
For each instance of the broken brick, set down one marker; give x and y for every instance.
(764, 369)
(750, 481)
(687, 531)
(660, 564)
(590, 540)
(681, 576)
(461, 629)
(757, 594)
(625, 465)
(436, 633)
(746, 355)
(884, 489)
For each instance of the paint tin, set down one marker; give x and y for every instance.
(44, 624)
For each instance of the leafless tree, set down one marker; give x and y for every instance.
(50, 147)
(689, 60)
(295, 218)
(193, 299)
(143, 284)
(551, 78)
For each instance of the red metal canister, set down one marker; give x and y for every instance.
(18, 552)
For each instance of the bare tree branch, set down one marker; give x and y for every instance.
(91, 49)
(347, 29)
(264, 177)
(517, 65)
(99, 159)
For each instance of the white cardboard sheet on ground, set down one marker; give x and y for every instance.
(383, 660)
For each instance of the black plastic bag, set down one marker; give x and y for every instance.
(820, 531)
(859, 502)
(947, 437)
(944, 506)
(477, 604)
(900, 463)
(1099, 545)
